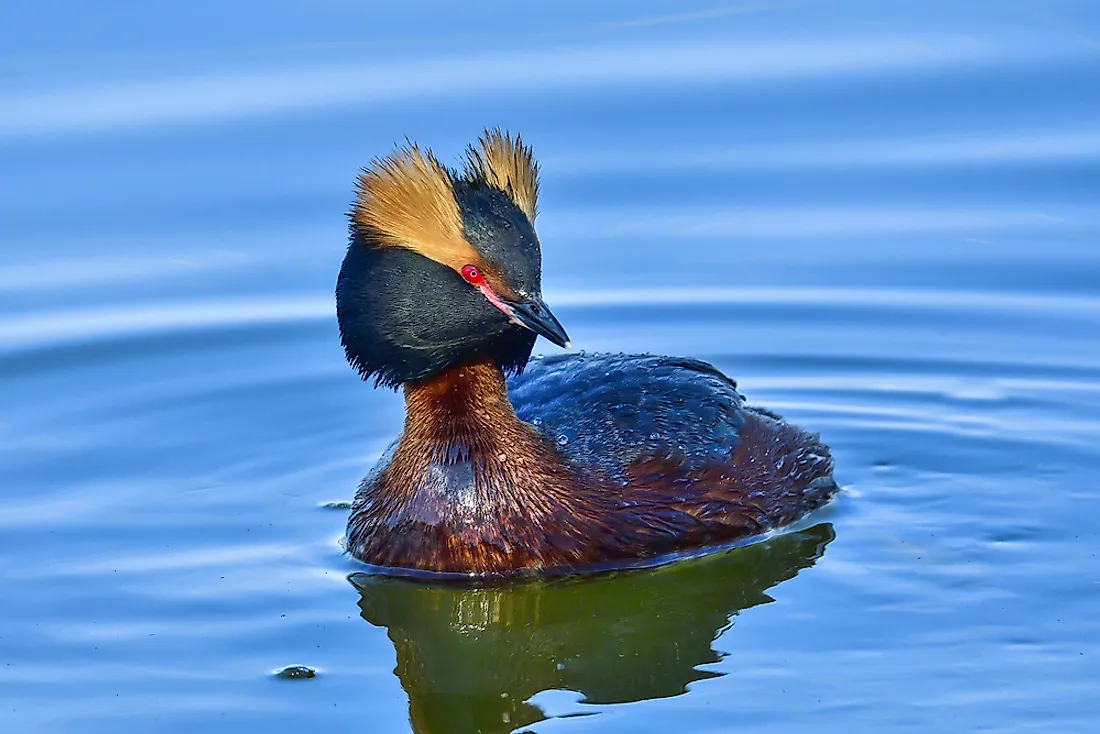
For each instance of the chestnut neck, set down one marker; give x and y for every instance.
(465, 405)
(471, 487)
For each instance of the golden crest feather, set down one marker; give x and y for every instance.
(507, 164)
(408, 199)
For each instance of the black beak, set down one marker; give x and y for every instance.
(535, 315)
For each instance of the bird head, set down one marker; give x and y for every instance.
(444, 267)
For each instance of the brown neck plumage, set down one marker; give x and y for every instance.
(463, 417)
(470, 486)
(465, 406)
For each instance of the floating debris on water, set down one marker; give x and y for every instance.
(296, 671)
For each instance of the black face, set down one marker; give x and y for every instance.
(404, 317)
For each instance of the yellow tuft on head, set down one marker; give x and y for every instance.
(507, 164)
(408, 199)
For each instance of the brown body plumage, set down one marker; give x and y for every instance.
(471, 488)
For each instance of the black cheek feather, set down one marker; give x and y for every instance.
(404, 317)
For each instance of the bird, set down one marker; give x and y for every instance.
(511, 465)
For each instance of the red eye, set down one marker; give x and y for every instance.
(472, 275)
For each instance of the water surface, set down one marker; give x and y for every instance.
(880, 218)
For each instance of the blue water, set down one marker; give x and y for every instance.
(881, 218)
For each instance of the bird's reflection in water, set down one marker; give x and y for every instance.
(470, 658)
